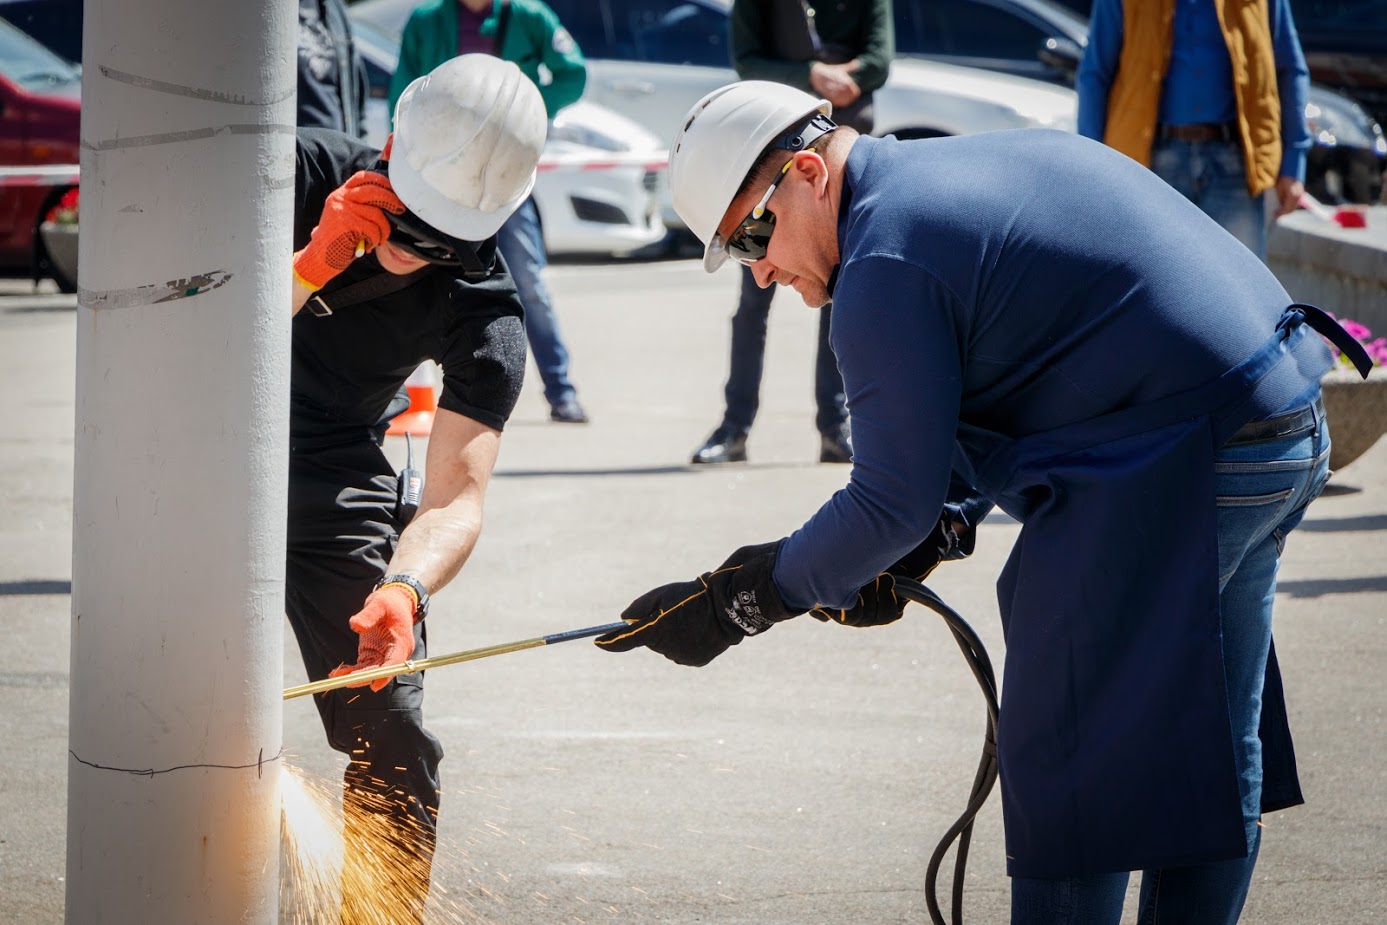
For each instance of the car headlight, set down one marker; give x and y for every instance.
(564, 130)
(1338, 121)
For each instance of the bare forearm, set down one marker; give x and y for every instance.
(437, 543)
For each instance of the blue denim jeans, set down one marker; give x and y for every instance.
(1213, 176)
(743, 390)
(1263, 490)
(522, 245)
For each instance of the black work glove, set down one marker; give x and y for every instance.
(693, 622)
(942, 543)
(877, 603)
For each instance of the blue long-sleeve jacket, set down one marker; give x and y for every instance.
(996, 286)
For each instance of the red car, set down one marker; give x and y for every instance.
(40, 118)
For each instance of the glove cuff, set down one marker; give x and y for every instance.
(751, 603)
(309, 269)
(415, 588)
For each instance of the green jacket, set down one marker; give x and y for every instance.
(864, 26)
(534, 36)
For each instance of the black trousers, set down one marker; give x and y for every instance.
(342, 532)
(743, 390)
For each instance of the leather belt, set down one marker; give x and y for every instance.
(1283, 425)
(1226, 131)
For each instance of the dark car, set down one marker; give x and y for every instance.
(1044, 39)
(55, 24)
(1345, 45)
(40, 117)
(1030, 38)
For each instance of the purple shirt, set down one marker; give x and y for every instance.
(470, 38)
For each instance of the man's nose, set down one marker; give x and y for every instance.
(764, 271)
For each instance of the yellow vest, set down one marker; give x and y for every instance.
(1135, 97)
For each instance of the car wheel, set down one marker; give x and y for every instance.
(64, 277)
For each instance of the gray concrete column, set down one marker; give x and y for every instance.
(181, 447)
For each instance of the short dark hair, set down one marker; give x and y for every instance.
(772, 160)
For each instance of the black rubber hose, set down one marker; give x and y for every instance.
(961, 831)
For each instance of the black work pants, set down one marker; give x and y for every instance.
(341, 534)
(743, 390)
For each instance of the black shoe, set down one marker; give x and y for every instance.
(568, 411)
(836, 446)
(724, 446)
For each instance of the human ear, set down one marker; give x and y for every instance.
(810, 166)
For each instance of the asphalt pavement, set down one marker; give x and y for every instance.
(803, 777)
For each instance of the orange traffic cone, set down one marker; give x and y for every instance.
(423, 402)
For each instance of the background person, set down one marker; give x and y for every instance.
(1131, 385)
(843, 53)
(332, 78)
(528, 33)
(1210, 94)
(386, 270)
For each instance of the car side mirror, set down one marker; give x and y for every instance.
(1060, 53)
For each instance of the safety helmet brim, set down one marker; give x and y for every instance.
(450, 217)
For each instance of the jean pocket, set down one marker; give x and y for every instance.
(1274, 497)
(1245, 520)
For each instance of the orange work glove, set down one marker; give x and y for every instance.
(386, 625)
(353, 223)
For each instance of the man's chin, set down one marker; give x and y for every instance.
(814, 296)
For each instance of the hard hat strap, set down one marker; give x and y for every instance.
(799, 137)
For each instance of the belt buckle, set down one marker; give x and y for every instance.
(317, 306)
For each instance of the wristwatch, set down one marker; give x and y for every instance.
(421, 609)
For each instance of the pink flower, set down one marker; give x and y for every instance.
(1377, 349)
(1358, 332)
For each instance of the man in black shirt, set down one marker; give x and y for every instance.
(388, 263)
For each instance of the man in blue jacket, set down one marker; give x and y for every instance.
(1038, 318)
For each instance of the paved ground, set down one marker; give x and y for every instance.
(803, 777)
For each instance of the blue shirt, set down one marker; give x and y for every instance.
(1000, 285)
(1198, 84)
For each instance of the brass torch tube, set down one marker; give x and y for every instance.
(438, 661)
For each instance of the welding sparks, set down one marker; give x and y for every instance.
(365, 872)
(375, 880)
(310, 871)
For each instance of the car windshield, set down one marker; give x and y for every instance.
(29, 64)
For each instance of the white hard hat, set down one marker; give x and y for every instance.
(722, 138)
(467, 138)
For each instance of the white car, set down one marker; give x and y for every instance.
(601, 177)
(651, 60)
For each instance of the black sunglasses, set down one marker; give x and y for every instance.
(417, 238)
(749, 242)
(414, 237)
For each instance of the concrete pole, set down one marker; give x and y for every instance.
(181, 451)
